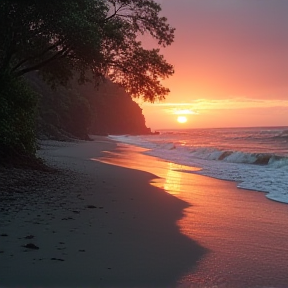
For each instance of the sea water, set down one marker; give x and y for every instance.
(256, 158)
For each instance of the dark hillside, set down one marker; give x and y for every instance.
(114, 111)
(79, 110)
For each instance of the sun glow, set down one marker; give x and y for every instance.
(182, 119)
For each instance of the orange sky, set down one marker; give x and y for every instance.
(231, 63)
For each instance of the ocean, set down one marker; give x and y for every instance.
(255, 158)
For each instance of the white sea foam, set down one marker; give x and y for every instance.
(263, 171)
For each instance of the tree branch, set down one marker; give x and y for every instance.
(36, 56)
(115, 12)
(58, 55)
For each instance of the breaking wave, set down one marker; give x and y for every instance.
(260, 165)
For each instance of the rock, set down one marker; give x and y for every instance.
(91, 206)
(57, 259)
(31, 246)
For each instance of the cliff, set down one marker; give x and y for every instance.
(79, 110)
(114, 111)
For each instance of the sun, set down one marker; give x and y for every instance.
(182, 119)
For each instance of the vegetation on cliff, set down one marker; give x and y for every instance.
(79, 110)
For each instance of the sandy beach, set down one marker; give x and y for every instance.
(102, 218)
(90, 224)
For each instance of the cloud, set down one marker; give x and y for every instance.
(196, 106)
(181, 111)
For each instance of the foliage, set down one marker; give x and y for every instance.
(80, 110)
(17, 118)
(59, 37)
(63, 112)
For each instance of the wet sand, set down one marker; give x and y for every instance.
(244, 232)
(90, 224)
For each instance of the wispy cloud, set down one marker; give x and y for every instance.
(181, 111)
(199, 105)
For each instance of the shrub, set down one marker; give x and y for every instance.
(17, 118)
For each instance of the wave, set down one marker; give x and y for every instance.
(266, 172)
(252, 171)
(282, 135)
(167, 146)
(209, 153)
(229, 156)
(265, 135)
(240, 157)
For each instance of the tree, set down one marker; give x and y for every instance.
(59, 38)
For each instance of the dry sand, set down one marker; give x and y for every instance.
(89, 224)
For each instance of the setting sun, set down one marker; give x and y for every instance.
(182, 119)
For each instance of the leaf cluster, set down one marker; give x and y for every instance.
(61, 37)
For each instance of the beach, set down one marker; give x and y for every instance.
(109, 216)
(91, 224)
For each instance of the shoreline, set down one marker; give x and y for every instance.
(242, 230)
(94, 224)
(251, 158)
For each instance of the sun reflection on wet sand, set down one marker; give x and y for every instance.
(131, 157)
(245, 232)
(170, 173)
(172, 180)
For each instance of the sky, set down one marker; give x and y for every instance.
(231, 65)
